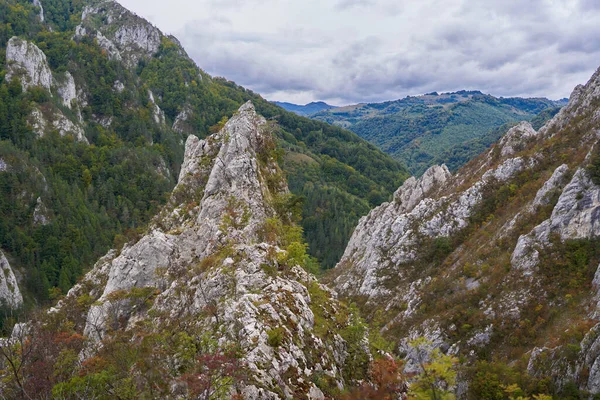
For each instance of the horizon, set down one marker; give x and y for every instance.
(417, 95)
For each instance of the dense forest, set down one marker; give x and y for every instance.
(447, 128)
(64, 203)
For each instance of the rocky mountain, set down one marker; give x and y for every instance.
(446, 128)
(216, 281)
(95, 107)
(497, 264)
(306, 110)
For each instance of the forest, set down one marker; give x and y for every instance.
(102, 195)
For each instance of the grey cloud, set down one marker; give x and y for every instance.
(344, 4)
(348, 51)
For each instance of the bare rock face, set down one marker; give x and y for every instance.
(157, 114)
(53, 119)
(392, 233)
(506, 210)
(414, 190)
(207, 250)
(517, 138)
(10, 294)
(67, 90)
(575, 216)
(38, 3)
(580, 102)
(28, 63)
(41, 213)
(181, 124)
(121, 33)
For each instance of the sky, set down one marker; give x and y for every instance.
(352, 51)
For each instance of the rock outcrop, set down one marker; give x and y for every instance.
(393, 233)
(28, 63)
(124, 36)
(213, 248)
(67, 90)
(519, 204)
(10, 295)
(53, 118)
(38, 3)
(516, 139)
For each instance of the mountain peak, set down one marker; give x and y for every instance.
(222, 244)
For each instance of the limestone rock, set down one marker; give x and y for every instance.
(53, 119)
(516, 139)
(41, 213)
(414, 190)
(67, 90)
(157, 114)
(575, 216)
(121, 33)
(181, 124)
(391, 234)
(205, 251)
(38, 3)
(9, 289)
(27, 62)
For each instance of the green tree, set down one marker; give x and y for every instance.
(438, 373)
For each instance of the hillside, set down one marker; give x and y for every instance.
(420, 130)
(212, 301)
(497, 264)
(305, 110)
(95, 107)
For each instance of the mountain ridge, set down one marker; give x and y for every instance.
(130, 96)
(482, 262)
(420, 130)
(304, 110)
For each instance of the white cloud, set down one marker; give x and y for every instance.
(347, 51)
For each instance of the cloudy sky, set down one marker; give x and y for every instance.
(349, 51)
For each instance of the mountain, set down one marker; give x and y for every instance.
(305, 110)
(95, 107)
(212, 301)
(498, 264)
(435, 128)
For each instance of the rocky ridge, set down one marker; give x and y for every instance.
(125, 36)
(214, 257)
(532, 193)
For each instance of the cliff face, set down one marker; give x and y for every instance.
(125, 36)
(10, 295)
(492, 252)
(26, 62)
(219, 260)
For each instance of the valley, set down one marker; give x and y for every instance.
(168, 234)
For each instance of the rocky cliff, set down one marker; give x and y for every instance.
(224, 259)
(499, 259)
(26, 62)
(10, 295)
(123, 35)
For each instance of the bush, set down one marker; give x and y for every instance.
(275, 337)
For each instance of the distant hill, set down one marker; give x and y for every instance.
(420, 130)
(305, 110)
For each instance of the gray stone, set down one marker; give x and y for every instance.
(9, 288)
(221, 174)
(27, 62)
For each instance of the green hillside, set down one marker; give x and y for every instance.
(100, 195)
(419, 130)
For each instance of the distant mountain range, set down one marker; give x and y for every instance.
(450, 128)
(305, 110)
